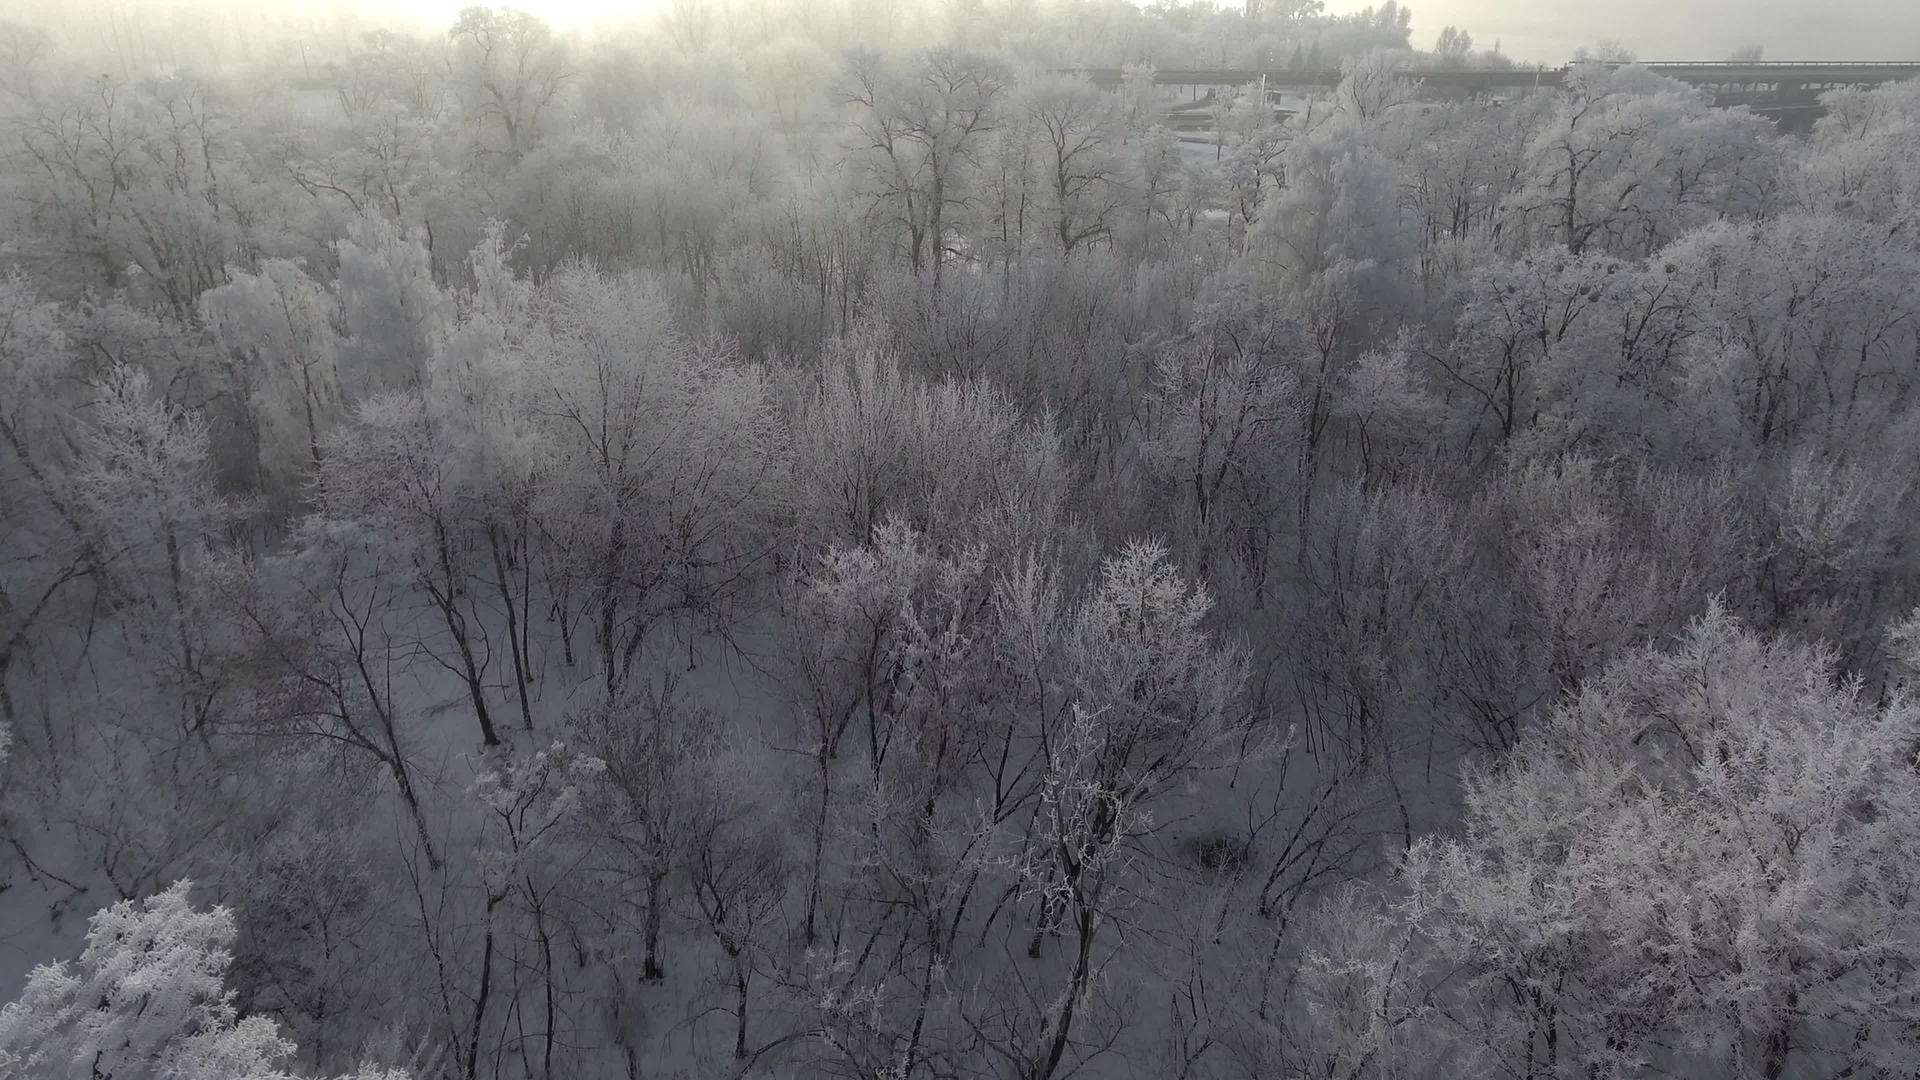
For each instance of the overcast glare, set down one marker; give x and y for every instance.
(960, 540)
(1683, 29)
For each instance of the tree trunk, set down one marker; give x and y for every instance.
(610, 605)
(476, 692)
(446, 595)
(819, 840)
(399, 769)
(546, 981)
(656, 895)
(515, 638)
(1062, 1034)
(480, 999)
(740, 1003)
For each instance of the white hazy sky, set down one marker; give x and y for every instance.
(1546, 30)
(1549, 30)
(571, 13)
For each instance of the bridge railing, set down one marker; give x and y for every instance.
(1762, 70)
(1767, 64)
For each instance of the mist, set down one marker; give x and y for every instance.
(1694, 30)
(959, 540)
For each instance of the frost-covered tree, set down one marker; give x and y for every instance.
(391, 487)
(918, 130)
(1700, 861)
(1528, 322)
(1806, 321)
(1372, 84)
(1453, 47)
(1630, 160)
(1152, 695)
(509, 69)
(910, 817)
(139, 184)
(740, 873)
(1078, 128)
(529, 803)
(652, 800)
(314, 628)
(1339, 205)
(278, 328)
(146, 999)
(664, 461)
(390, 309)
(142, 483)
(1223, 435)
(52, 551)
(873, 441)
(1860, 159)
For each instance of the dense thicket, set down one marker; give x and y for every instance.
(774, 544)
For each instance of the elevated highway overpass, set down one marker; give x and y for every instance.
(1787, 90)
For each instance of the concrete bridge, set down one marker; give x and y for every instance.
(1786, 90)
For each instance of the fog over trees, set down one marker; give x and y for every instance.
(810, 540)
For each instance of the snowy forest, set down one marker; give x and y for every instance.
(810, 540)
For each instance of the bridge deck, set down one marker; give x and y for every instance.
(1770, 72)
